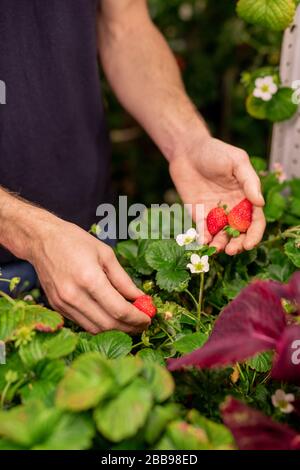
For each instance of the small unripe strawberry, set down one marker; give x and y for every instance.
(146, 305)
(216, 220)
(240, 218)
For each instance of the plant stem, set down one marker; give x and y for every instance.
(168, 335)
(191, 317)
(4, 393)
(200, 302)
(240, 371)
(193, 298)
(7, 297)
(292, 232)
(137, 344)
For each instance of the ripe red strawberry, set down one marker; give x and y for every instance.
(146, 305)
(240, 218)
(216, 220)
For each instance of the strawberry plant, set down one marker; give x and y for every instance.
(225, 327)
(224, 340)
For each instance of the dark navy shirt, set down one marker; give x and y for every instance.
(54, 149)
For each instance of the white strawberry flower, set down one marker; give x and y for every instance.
(198, 264)
(279, 172)
(265, 88)
(187, 238)
(283, 401)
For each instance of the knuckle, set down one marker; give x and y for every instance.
(108, 254)
(120, 315)
(244, 156)
(87, 278)
(68, 293)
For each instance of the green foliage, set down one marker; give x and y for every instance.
(169, 260)
(271, 14)
(112, 344)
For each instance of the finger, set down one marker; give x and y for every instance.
(248, 179)
(256, 230)
(235, 246)
(207, 237)
(204, 237)
(220, 241)
(94, 319)
(119, 278)
(74, 316)
(116, 306)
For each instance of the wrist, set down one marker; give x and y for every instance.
(192, 134)
(23, 226)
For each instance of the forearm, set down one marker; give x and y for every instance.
(144, 75)
(21, 225)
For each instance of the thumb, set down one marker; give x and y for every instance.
(249, 180)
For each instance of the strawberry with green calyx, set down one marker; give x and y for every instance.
(217, 220)
(239, 218)
(145, 304)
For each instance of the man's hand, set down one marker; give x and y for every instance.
(214, 172)
(80, 275)
(84, 281)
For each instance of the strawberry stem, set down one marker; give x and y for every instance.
(200, 302)
(232, 232)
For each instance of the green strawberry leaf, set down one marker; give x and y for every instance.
(218, 435)
(183, 436)
(19, 314)
(88, 380)
(281, 107)
(50, 346)
(292, 250)
(151, 356)
(173, 280)
(36, 427)
(121, 417)
(112, 344)
(261, 362)
(159, 418)
(42, 385)
(169, 260)
(126, 369)
(189, 342)
(256, 107)
(72, 432)
(276, 15)
(160, 382)
(275, 205)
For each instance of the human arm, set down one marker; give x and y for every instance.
(145, 77)
(80, 275)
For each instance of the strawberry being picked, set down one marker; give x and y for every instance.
(146, 305)
(239, 218)
(216, 220)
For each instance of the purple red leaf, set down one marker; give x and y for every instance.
(250, 324)
(252, 430)
(290, 291)
(287, 361)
